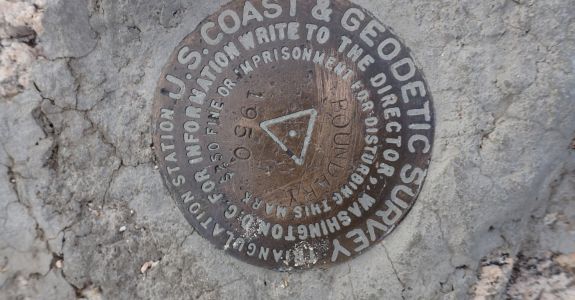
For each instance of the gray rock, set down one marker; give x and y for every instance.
(66, 29)
(78, 183)
(60, 86)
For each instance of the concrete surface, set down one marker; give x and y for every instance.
(84, 213)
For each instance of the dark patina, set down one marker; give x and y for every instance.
(304, 150)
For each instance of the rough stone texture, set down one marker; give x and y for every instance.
(84, 212)
(19, 27)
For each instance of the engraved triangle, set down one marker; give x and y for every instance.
(288, 131)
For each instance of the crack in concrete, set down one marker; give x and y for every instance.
(40, 232)
(404, 287)
(352, 290)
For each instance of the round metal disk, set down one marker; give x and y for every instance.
(293, 134)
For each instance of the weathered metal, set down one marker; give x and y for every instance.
(293, 134)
